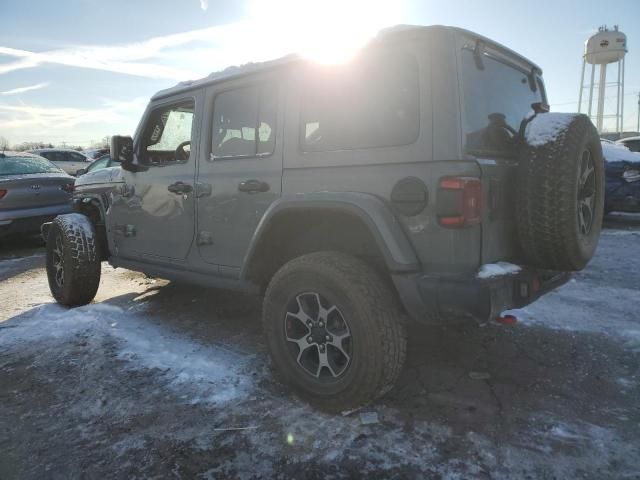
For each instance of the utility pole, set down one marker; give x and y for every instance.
(638, 129)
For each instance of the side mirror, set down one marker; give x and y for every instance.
(81, 171)
(122, 151)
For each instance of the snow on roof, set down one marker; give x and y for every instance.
(254, 67)
(546, 127)
(614, 152)
(229, 72)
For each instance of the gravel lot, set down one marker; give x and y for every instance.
(159, 380)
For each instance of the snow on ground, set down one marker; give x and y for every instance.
(145, 346)
(159, 380)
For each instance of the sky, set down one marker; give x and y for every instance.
(79, 70)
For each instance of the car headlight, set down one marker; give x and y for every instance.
(631, 175)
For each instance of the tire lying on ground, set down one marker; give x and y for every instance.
(73, 262)
(334, 330)
(560, 195)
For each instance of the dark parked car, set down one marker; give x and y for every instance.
(413, 181)
(622, 168)
(32, 191)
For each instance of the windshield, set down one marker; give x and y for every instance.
(26, 165)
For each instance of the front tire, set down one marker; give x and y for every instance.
(334, 330)
(73, 262)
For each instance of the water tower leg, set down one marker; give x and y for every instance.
(622, 99)
(618, 122)
(601, 93)
(584, 63)
(593, 72)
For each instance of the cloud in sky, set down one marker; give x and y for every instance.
(28, 88)
(35, 123)
(204, 5)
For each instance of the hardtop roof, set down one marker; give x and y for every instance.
(386, 35)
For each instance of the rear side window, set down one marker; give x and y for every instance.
(633, 145)
(373, 102)
(76, 157)
(496, 100)
(244, 122)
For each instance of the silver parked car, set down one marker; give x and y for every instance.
(32, 191)
(68, 160)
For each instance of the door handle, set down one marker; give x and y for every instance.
(253, 186)
(180, 188)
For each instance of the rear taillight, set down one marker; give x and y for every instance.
(67, 187)
(459, 202)
(2, 193)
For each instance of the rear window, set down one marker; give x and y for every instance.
(496, 100)
(26, 165)
(373, 102)
(244, 122)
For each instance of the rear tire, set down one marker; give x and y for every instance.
(560, 199)
(73, 263)
(363, 321)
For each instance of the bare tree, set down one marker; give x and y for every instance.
(4, 143)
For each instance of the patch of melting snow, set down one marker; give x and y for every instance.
(199, 372)
(490, 270)
(546, 127)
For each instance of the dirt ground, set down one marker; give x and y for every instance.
(159, 380)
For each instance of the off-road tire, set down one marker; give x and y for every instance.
(547, 193)
(368, 303)
(80, 260)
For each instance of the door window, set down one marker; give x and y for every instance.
(167, 135)
(58, 157)
(244, 123)
(633, 145)
(99, 164)
(75, 157)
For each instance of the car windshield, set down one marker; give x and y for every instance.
(24, 165)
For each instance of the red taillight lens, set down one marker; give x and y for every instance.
(2, 193)
(460, 202)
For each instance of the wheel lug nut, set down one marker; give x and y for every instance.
(322, 348)
(321, 323)
(327, 338)
(310, 339)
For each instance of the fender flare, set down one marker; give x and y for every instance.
(96, 199)
(385, 228)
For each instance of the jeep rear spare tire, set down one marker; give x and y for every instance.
(73, 262)
(560, 197)
(334, 330)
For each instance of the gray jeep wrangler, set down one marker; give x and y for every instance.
(423, 180)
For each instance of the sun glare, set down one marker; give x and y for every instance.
(328, 31)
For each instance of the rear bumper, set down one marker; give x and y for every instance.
(430, 298)
(29, 220)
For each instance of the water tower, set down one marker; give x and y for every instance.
(603, 48)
